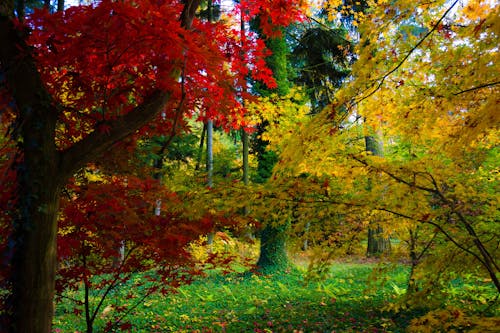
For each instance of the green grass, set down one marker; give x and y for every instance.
(344, 302)
(350, 299)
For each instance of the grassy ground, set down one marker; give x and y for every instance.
(352, 297)
(345, 302)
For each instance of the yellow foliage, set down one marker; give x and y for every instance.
(284, 115)
(453, 319)
(426, 79)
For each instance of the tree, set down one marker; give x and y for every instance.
(71, 107)
(378, 243)
(320, 56)
(424, 76)
(101, 217)
(273, 236)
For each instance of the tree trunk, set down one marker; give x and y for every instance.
(244, 140)
(33, 284)
(377, 244)
(210, 153)
(210, 174)
(35, 229)
(273, 256)
(33, 240)
(200, 148)
(42, 171)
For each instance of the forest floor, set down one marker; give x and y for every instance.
(353, 296)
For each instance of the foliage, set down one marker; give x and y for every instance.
(446, 123)
(453, 320)
(426, 79)
(86, 78)
(108, 231)
(321, 57)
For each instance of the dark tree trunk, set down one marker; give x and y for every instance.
(273, 256)
(35, 230)
(34, 259)
(377, 243)
(33, 241)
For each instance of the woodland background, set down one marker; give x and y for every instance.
(266, 160)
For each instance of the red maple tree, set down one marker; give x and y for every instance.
(75, 83)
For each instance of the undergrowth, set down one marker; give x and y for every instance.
(344, 302)
(352, 298)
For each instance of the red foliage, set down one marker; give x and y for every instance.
(273, 14)
(99, 218)
(98, 72)
(98, 63)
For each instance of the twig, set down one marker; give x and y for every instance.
(386, 75)
(477, 87)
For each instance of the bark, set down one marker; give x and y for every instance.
(273, 256)
(210, 174)
(244, 139)
(33, 240)
(210, 153)
(200, 147)
(377, 243)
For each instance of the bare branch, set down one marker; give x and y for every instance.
(477, 87)
(397, 178)
(440, 228)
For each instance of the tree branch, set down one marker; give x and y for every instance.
(386, 75)
(97, 142)
(399, 179)
(440, 228)
(476, 88)
(188, 12)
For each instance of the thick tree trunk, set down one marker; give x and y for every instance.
(35, 230)
(273, 256)
(33, 241)
(34, 261)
